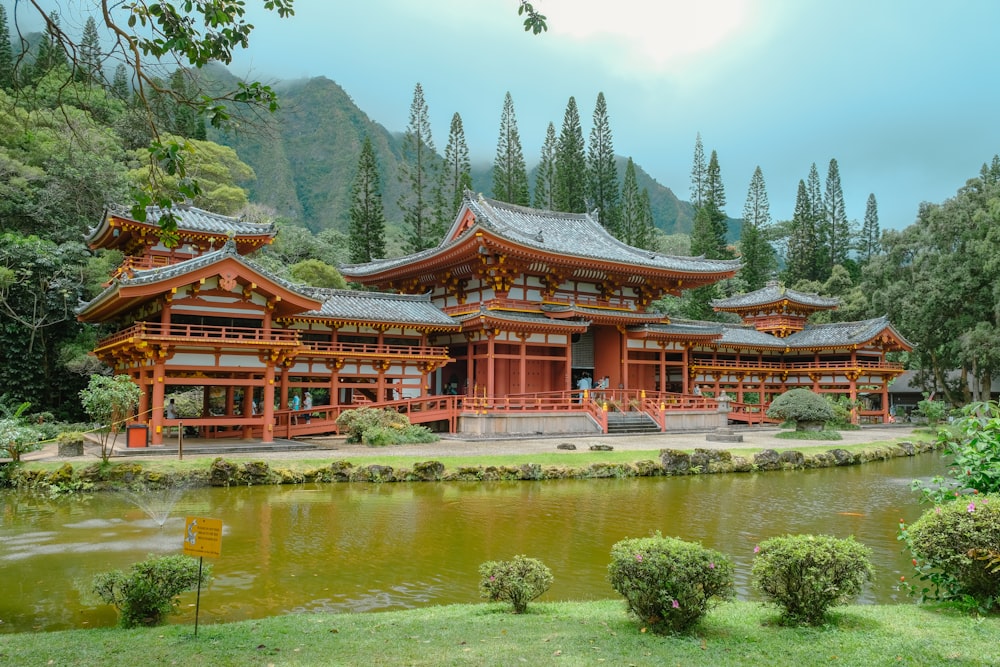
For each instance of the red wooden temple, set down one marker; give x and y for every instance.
(490, 332)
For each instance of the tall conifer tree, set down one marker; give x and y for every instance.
(367, 232)
(800, 264)
(6, 53)
(510, 174)
(646, 237)
(817, 210)
(631, 206)
(602, 171)
(88, 66)
(756, 254)
(571, 164)
(120, 86)
(418, 173)
(456, 175)
(870, 244)
(837, 228)
(715, 202)
(545, 177)
(699, 174)
(50, 54)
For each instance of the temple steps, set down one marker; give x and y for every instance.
(631, 422)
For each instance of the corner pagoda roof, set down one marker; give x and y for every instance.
(777, 297)
(878, 331)
(573, 240)
(117, 229)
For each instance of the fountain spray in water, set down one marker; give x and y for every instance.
(156, 502)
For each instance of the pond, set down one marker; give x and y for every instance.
(368, 547)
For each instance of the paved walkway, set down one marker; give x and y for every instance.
(337, 448)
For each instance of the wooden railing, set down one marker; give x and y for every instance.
(374, 350)
(201, 332)
(750, 364)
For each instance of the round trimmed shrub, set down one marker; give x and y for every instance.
(518, 581)
(801, 406)
(957, 547)
(668, 583)
(807, 574)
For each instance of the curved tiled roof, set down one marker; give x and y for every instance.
(773, 293)
(377, 307)
(520, 317)
(192, 220)
(572, 235)
(838, 334)
(162, 273)
(587, 312)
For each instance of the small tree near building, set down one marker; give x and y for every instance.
(110, 401)
(807, 409)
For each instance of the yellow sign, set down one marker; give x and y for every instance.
(202, 537)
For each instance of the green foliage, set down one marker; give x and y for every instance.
(17, 439)
(316, 273)
(954, 547)
(807, 574)
(934, 411)
(973, 443)
(668, 583)
(147, 592)
(570, 186)
(510, 174)
(110, 401)
(518, 581)
(378, 427)
(800, 406)
(367, 231)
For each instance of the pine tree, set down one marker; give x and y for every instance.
(817, 211)
(756, 253)
(6, 53)
(571, 164)
(545, 177)
(182, 121)
(714, 203)
(88, 66)
(645, 238)
(510, 174)
(367, 231)
(120, 86)
(869, 245)
(631, 206)
(456, 175)
(699, 174)
(836, 226)
(50, 54)
(418, 173)
(602, 170)
(800, 264)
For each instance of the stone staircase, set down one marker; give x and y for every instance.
(631, 422)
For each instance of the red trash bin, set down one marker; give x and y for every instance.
(136, 435)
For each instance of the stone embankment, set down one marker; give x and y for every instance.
(269, 471)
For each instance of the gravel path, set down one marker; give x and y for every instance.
(336, 448)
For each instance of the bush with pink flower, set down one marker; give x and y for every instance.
(668, 583)
(956, 551)
(518, 581)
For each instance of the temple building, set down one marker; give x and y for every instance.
(519, 321)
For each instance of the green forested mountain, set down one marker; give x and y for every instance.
(306, 157)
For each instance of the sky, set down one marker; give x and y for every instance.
(902, 93)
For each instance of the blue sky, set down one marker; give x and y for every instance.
(903, 93)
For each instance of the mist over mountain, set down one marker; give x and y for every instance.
(306, 157)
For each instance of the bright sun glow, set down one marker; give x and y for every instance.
(655, 32)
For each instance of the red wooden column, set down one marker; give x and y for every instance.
(267, 409)
(156, 416)
(490, 363)
(524, 363)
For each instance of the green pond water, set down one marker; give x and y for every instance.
(371, 547)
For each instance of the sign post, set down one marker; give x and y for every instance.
(202, 537)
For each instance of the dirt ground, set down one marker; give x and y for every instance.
(336, 447)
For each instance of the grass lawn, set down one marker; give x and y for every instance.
(397, 458)
(568, 633)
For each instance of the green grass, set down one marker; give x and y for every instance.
(568, 633)
(397, 458)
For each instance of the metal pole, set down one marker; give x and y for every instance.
(197, 600)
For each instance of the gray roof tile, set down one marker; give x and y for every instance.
(772, 293)
(377, 307)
